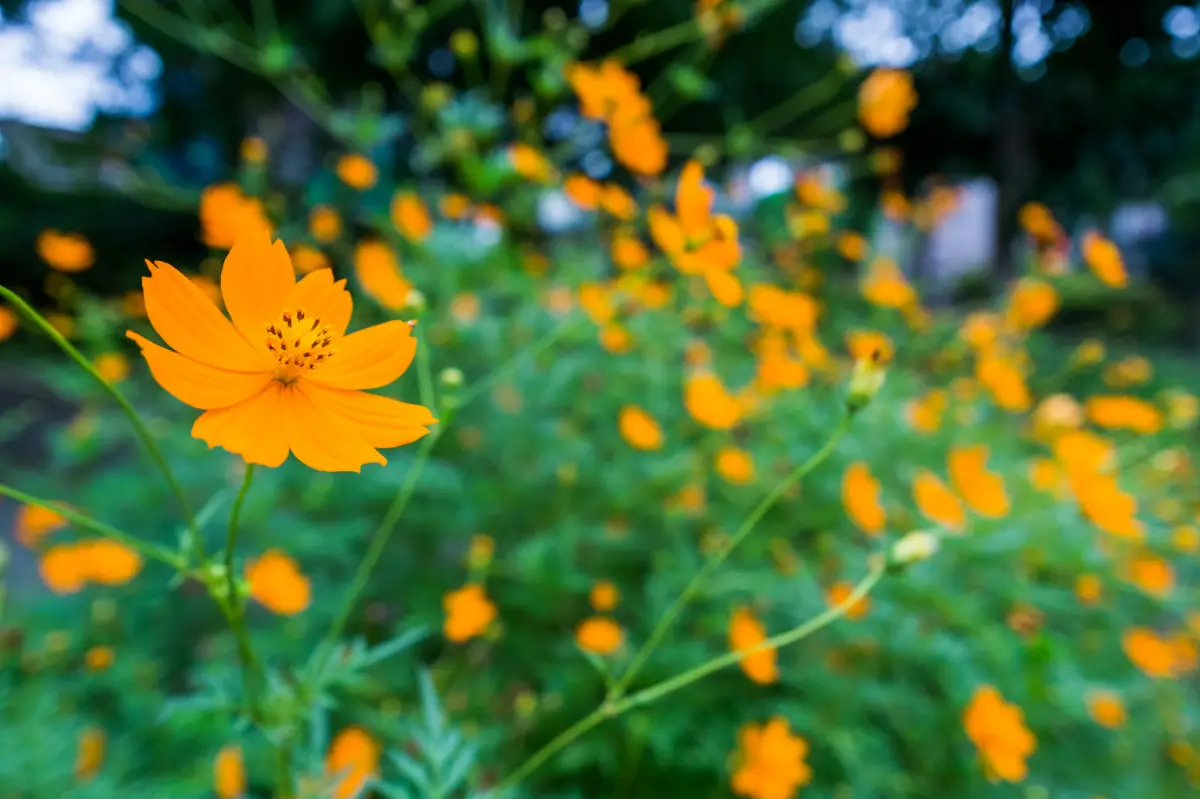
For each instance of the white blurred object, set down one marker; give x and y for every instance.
(68, 60)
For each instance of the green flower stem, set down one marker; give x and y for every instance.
(197, 544)
(806, 99)
(143, 548)
(614, 708)
(672, 615)
(234, 605)
(379, 541)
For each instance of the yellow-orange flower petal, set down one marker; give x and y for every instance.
(192, 325)
(369, 358)
(380, 421)
(324, 441)
(196, 384)
(937, 502)
(353, 758)
(255, 283)
(255, 428)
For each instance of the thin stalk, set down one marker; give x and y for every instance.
(701, 577)
(143, 548)
(613, 709)
(139, 427)
(508, 367)
(235, 607)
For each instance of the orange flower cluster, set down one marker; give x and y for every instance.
(997, 728)
(770, 761)
(67, 568)
(697, 241)
(611, 93)
(600, 634)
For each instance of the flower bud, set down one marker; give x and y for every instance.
(451, 377)
(913, 548)
(414, 300)
(865, 382)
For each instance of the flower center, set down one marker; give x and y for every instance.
(299, 343)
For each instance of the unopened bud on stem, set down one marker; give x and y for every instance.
(913, 548)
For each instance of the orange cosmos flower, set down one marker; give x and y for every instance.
(637, 142)
(229, 773)
(605, 89)
(89, 753)
(851, 246)
(885, 285)
(357, 171)
(696, 241)
(710, 403)
(33, 522)
(99, 658)
(735, 465)
(983, 490)
(1153, 654)
(885, 100)
(770, 761)
(1104, 259)
(411, 216)
(1004, 380)
(604, 596)
(628, 252)
(583, 191)
(747, 632)
(1152, 575)
(777, 368)
(66, 252)
(108, 562)
(618, 202)
(306, 259)
(839, 592)
(226, 213)
(997, 728)
(379, 275)
(1088, 589)
(639, 429)
(8, 323)
(599, 635)
(1031, 304)
(786, 310)
(528, 162)
(324, 223)
(1037, 220)
(283, 377)
(1105, 505)
(870, 345)
(924, 414)
(352, 759)
(1124, 413)
(277, 583)
(860, 497)
(469, 613)
(937, 502)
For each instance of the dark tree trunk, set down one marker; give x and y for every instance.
(1013, 159)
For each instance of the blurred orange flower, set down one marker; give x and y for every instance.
(937, 502)
(1152, 575)
(885, 100)
(357, 171)
(603, 596)
(885, 285)
(1004, 380)
(599, 635)
(710, 403)
(839, 592)
(89, 753)
(283, 376)
(639, 429)
(226, 213)
(770, 761)
(1031, 304)
(583, 191)
(1088, 589)
(1153, 654)
(33, 522)
(924, 414)
(735, 465)
(229, 773)
(66, 252)
(1124, 413)
(529, 162)
(779, 308)
(352, 759)
(324, 223)
(411, 216)
(306, 259)
(983, 490)
(745, 633)
(277, 583)
(860, 497)
(997, 728)
(379, 275)
(1104, 259)
(8, 323)
(469, 613)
